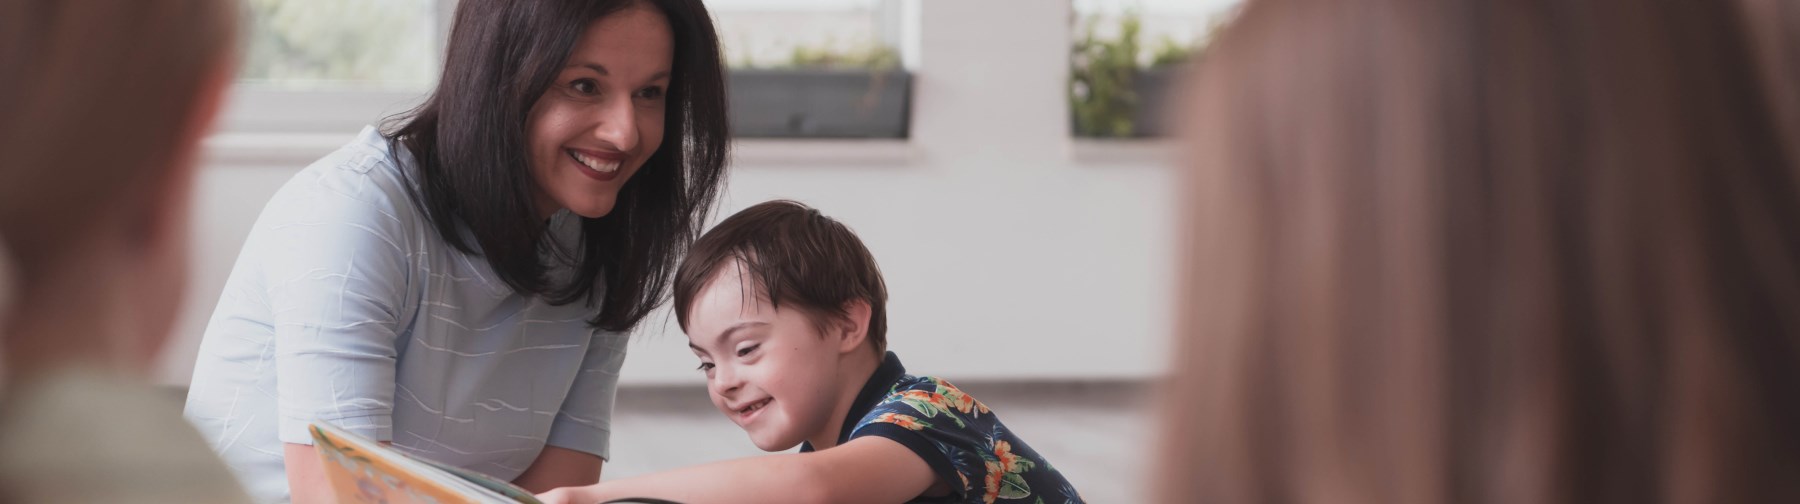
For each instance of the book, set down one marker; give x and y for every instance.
(361, 470)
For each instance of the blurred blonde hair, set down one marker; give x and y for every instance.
(1532, 251)
(98, 96)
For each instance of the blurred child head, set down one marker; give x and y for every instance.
(106, 101)
(786, 310)
(1774, 29)
(1485, 251)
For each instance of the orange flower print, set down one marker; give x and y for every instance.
(1009, 461)
(1006, 470)
(926, 397)
(992, 491)
(928, 404)
(906, 421)
(959, 399)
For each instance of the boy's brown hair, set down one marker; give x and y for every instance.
(796, 256)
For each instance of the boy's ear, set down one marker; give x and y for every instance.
(853, 327)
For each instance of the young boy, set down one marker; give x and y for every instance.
(785, 309)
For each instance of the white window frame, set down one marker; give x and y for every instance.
(252, 109)
(260, 126)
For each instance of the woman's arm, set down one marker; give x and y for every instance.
(558, 467)
(869, 469)
(580, 434)
(333, 265)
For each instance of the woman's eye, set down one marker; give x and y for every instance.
(706, 366)
(746, 350)
(584, 86)
(651, 93)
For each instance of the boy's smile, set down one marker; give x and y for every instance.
(747, 413)
(769, 370)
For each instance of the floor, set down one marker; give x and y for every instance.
(1096, 433)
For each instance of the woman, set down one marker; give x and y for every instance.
(106, 102)
(1486, 251)
(462, 286)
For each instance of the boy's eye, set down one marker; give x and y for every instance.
(706, 366)
(746, 350)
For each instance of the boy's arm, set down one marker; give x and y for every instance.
(866, 469)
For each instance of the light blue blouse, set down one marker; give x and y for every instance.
(346, 306)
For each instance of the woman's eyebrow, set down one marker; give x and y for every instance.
(601, 69)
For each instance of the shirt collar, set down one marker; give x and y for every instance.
(872, 392)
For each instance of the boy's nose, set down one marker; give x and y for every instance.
(725, 381)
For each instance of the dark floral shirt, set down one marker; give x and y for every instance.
(962, 441)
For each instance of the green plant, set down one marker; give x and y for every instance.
(1171, 53)
(307, 42)
(831, 56)
(828, 54)
(1103, 73)
(1100, 80)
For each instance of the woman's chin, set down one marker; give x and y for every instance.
(592, 209)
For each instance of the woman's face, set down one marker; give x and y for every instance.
(603, 115)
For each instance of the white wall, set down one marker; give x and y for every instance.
(1011, 251)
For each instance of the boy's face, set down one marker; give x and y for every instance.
(770, 371)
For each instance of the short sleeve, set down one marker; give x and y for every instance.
(584, 423)
(333, 255)
(946, 428)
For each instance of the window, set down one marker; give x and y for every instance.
(331, 66)
(320, 44)
(1124, 58)
(809, 33)
(816, 68)
(799, 68)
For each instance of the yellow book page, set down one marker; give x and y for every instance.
(361, 472)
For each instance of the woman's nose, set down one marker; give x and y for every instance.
(617, 124)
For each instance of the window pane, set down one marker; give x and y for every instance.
(808, 33)
(1166, 29)
(1121, 65)
(336, 44)
(814, 68)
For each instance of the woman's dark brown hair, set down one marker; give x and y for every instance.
(469, 140)
(1474, 251)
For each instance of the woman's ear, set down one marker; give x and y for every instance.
(853, 327)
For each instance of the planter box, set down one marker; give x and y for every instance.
(1152, 117)
(807, 103)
